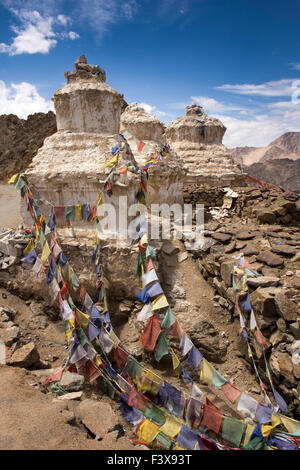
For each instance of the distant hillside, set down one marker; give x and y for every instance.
(286, 146)
(20, 140)
(281, 172)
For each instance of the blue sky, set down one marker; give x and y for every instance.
(240, 59)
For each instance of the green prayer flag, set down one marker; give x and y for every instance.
(75, 282)
(168, 320)
(154, 413)
(42, 239)
(258, 443)
(70, 213)
(232, 431)
(162, 347)
(83, 339)
(139, 271)
(150, 252)
(71, 303)
(56, 388)
(218, 380)
(101, 293)
(140, 196)
(20, 183)
(164, 440)
(134, 369)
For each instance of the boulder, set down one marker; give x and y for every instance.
(226, 271)
(286, 250)
(286, 366)
(263, 302)
(72, 382)
(263, 281)
(97, 416)
(25, 357)
(208, 340)
(270, 258)
(231, 247)
(221, 237)
(285, 307)
(265, 215)
(244, 235)
(250, 250)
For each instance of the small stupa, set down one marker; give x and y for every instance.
(166, 177)
(197, 139)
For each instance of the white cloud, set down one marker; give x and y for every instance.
(282, 87)
(100, 14)
(64, 20)
(213, 106)
(262, 129)
(72, 35)
(295, 65)
(35, 35)
(22, 99)
(153, 110)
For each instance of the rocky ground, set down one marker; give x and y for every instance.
(199, 288)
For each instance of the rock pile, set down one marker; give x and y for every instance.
(272, 251)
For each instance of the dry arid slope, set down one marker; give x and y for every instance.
(277, 163)
(20, 140)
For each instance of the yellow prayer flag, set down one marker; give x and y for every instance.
(249, 430)
(148, 431)
(172, 426)
(105, 306)
(266, 429)
(290, 424)
(95, 238)
(78, 211)
(99, 199)
(29, 247)
(177, 447)
(175, 360)
(97, 360)
(113, 161)
(83, 318)
(14, 178)
(45, 253)
(142, 276)
(249, 351)
(207, 371)
(275, 419)
(114, 337)
(159, 302)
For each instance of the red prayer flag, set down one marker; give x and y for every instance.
(177, 330)
(231, 392)
(150, 265)
(120, 356)
(60, 212)
(141, 146)
(81, 292)
(136, 399)
(56, 377)
(123, 169)
(150, 335)
(212, 419)
(261, 339)
(91, 371)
